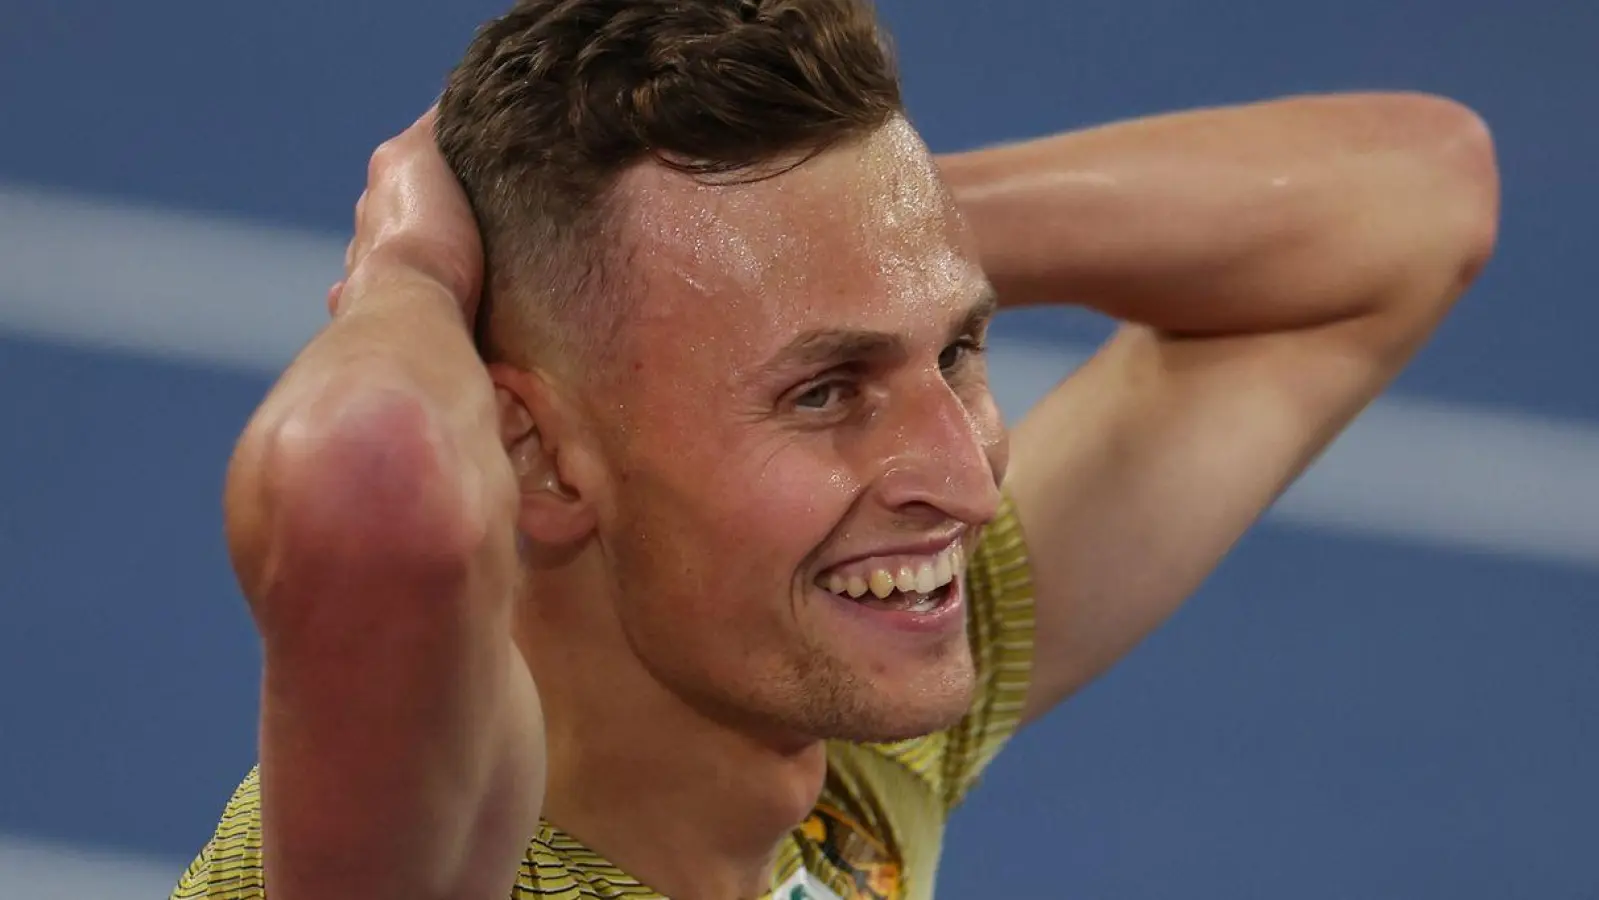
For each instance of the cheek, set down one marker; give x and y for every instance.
(731, 523)
(773, 507)
(789, 498)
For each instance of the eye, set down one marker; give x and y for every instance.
(959, 352)
(824, 396)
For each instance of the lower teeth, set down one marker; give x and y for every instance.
(908, 602)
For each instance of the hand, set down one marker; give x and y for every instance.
(413, 215)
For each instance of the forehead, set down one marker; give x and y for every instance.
(862, 236)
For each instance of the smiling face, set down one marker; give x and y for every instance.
(799, 406)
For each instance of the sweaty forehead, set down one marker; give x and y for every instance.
(863, 235)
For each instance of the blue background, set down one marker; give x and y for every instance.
(1331, 717)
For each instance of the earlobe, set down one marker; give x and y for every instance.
(543, 441)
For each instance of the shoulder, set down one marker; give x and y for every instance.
(229, 867)
(555, 867)
(559, 867)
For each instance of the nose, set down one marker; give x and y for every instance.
(942, 457)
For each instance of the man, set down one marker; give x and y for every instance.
(720, 579)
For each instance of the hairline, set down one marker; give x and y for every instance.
(606, 238)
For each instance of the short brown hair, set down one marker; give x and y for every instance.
(556, 99)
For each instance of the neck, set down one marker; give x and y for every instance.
(689, 805)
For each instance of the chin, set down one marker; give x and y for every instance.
(901, 713)
(894, 732)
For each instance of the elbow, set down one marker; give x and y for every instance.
(1441, 194)
(1452, 155)
(357, 484)
(1427, 215)
(1468, 155)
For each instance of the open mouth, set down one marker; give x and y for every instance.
(917, 584)
(909, 601)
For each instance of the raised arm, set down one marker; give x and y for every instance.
(369, 511)
(1277, 264)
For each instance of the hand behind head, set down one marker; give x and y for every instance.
(413, 216)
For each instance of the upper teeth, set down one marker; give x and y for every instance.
(919, 574)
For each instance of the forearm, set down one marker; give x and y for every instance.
(1244, 219)
(389, 397)
(370, 523)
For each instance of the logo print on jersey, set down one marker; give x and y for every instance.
(873, 872)
(802, 885)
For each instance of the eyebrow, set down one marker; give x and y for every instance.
(828, 347)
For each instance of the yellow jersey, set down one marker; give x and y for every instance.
(878, 827)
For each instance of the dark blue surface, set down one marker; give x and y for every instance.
(1331, 718)
(272, 113)
(127, 660)
(1330, 715)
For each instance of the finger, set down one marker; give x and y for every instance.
(426, 122)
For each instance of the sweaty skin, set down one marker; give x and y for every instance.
(781, 418)
(1276, 264)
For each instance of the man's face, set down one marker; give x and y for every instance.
(803, 411)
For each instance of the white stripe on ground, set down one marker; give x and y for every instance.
(1447, 475)
(236, 294)
(81, 271)
(40, 871)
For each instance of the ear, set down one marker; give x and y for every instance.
(555, 467)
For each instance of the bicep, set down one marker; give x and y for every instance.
(1140, 471)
